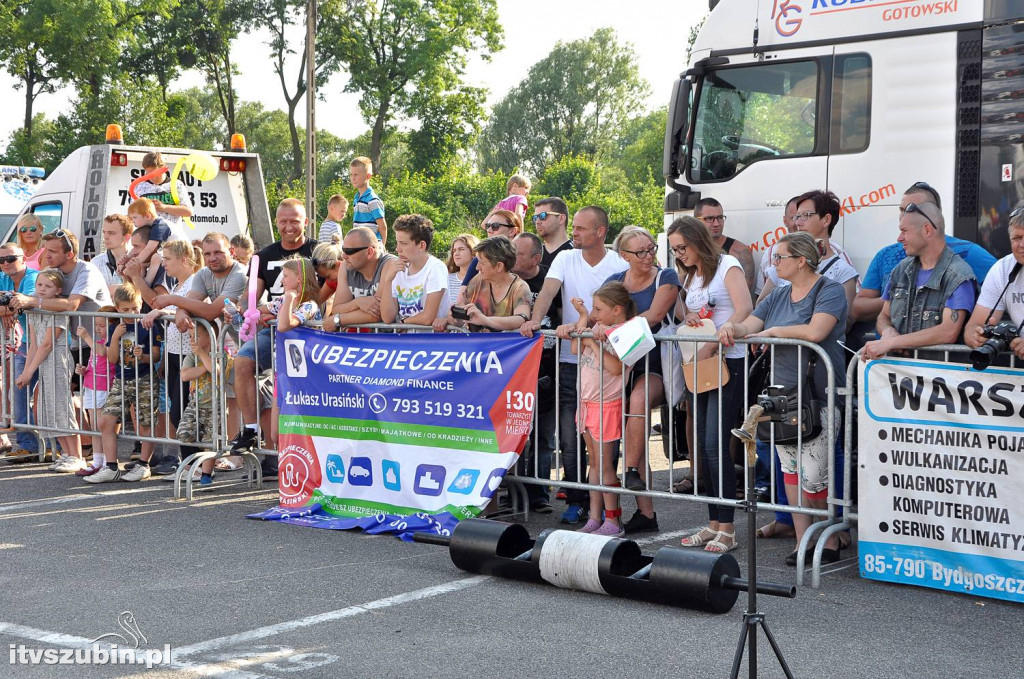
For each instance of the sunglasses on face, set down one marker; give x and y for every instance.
(9, 259)
(354, 251)
(913, 208)
(27, 229)
(543, 215)
(494, 226)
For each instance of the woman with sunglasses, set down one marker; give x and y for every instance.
(497, 223)
(715, 287)
(654, 291)
(811, 308)
(30, 235)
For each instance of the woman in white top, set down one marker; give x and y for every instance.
(714, 287)
(181, 261)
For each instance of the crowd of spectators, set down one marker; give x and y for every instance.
(152, 368)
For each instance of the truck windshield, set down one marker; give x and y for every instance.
(752, 113)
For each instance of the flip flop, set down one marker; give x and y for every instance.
(226, 465)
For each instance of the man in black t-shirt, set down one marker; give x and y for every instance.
(255, 356)
(529, 250)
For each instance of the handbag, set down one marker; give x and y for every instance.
(671, 358)
(801, 423)
(711, 373)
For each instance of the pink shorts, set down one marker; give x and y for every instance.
(589, 419)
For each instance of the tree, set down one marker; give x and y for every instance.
(49, 43)
(279, 16)
(574, 101)
(395, 50)
(448, 124)
(638, 151)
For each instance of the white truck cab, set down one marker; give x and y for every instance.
(861, 97)
(93, 182)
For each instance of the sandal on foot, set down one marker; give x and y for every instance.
(719, 547)
(700, 538)
(774, 530)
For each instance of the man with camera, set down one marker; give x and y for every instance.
(930, 293)
(16, 277)
(1002, 294)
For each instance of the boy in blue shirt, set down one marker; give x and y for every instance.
(367, 207)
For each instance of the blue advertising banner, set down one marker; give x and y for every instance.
(399, 425)
(942, 476)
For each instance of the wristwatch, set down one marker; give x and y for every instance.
(337, 322)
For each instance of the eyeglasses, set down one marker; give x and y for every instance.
(494, 226)
(61, 233)
(9, 259)
(713, 219)
(26, 229)
(680, 249)
(911, 207)
(649, 252)
(924, 186)
(327, 263)
(777, 258)
(1016, 213)
(544, 215)
(802, 216)
(354, 251)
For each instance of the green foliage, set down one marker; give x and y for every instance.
(638, 152)
(396, 51)
(574, 101)
(448, 124)
(26, 150)
(569, 177)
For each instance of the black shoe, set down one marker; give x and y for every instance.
(641, 524)
(541, 507)
(136, 451)
(165, 467)
(762, 494)
(808, 555)
(244, 442)
(634, 481)
(269, 467)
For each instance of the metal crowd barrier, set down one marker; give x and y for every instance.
(827, 518)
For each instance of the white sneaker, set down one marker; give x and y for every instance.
(59, 461)
(70, 465)
(105, 475)
(136, 473)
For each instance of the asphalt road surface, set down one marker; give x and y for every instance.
(234, 597)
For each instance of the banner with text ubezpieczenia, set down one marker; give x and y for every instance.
(941, 486)
(401, 424)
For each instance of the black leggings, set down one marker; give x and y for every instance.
(177, 391)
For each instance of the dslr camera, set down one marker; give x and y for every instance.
(5, 297)
(460, 313)
(774, 402)
(998, 338)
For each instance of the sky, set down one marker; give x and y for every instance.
(657, 30)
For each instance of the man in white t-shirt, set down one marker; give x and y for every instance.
(576, 273)
(419, 289)
(1000, 296)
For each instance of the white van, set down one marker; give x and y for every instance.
(93, 182)
(17, 184)
(861, 97)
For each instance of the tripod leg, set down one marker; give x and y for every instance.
(775, 647)
(738, 658)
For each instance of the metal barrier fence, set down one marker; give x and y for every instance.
(250, 376)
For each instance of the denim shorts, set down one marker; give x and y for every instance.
(259, 349)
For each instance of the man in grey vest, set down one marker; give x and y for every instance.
(930, 293)
(365, 265)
